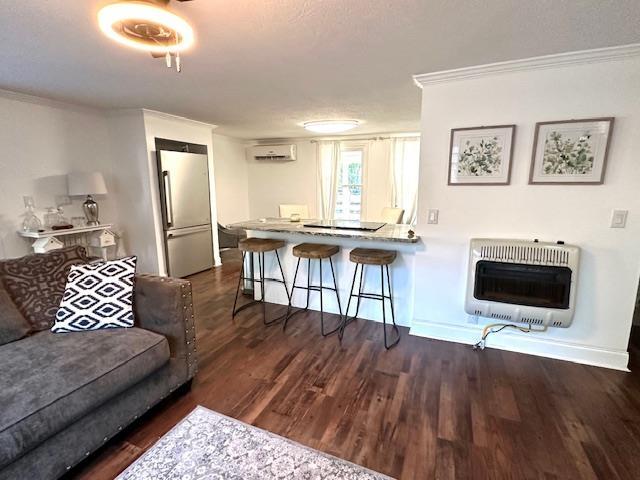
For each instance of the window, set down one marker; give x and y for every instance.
(349, 184)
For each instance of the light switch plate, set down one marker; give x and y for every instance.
(619, 218)
(432, 216)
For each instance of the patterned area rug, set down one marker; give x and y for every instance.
(208, 446)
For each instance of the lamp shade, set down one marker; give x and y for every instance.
(86, 183)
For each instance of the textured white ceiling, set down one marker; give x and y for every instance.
(261, 67)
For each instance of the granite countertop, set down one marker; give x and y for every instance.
(388, 233)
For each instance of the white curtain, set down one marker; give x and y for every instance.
(328, 155)
(404, 162)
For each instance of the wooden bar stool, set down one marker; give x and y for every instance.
(314, 251)
(259, 246)
(383, 258)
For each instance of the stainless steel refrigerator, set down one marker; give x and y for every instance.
(186, 211)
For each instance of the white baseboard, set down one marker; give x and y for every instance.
(529, 343)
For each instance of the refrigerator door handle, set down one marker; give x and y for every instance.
(181, 232)
(168, 204)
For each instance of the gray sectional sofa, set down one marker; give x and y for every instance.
(62, 396)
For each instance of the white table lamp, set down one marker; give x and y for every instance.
(87, 183)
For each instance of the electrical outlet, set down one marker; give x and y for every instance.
(432, 216)
(619, 218)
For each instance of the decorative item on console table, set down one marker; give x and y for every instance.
(102, 240)
(31, 222)
(50, 218)
(47, 244)
(88, 183)
(61, 222)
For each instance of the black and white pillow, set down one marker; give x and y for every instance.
(97, 296)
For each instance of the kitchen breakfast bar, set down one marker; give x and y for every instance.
(346, 236)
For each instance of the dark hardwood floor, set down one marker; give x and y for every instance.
(426, 409)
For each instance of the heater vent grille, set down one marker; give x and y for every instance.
(532, 254)
(533, 321)
(501, 316)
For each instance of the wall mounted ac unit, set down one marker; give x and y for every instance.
(282, 153)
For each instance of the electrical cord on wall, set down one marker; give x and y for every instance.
(489, 329)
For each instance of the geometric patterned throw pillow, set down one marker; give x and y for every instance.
(97, 296)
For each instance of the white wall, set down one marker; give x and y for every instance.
(232, 179)
(41, 142)
(274, 183)
(580, 215)
(133, 188)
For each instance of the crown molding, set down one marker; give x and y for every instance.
(47, 102)
(108, 112)
(169, 116)
(535, 63)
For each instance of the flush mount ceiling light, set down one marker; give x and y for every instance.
(147, 25)
(331, 126)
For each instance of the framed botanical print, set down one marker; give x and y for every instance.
(481, 155)
(571, 151)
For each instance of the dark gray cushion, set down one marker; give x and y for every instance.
(36, 282)
(48, 381)
(13, 326)
(51, 459)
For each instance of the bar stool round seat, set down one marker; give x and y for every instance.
(256, 245)
(372, 256)
(376, 258)
(315, 250)
(251, 247)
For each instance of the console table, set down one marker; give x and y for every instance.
(97, 237)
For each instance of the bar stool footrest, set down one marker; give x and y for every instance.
(372, 296)
(315, 288)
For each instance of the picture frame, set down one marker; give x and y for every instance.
(571, 152)
(481, 155)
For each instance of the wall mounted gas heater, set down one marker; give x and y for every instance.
(522, 281)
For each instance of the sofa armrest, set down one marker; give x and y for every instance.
(164, 305)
